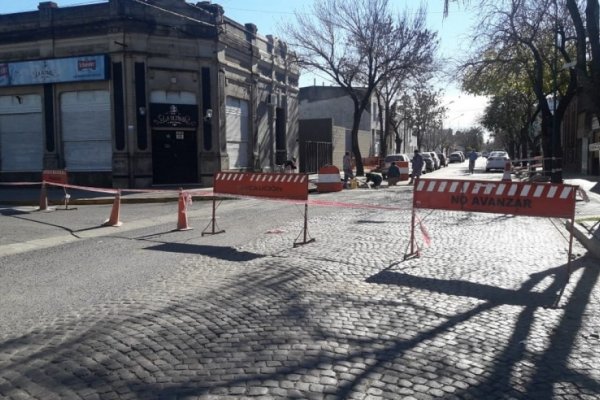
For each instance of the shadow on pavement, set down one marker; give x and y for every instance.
(223, 253)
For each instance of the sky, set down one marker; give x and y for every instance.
(268, 16)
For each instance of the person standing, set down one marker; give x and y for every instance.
(347, 165)
(472, 158)
(417, 167)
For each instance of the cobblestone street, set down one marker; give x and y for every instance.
(341, 318)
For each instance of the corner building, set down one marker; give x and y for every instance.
(135, 93)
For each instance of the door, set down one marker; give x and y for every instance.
(174, 156)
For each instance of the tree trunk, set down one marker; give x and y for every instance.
(360, 170)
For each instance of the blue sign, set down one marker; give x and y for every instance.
(55, 70)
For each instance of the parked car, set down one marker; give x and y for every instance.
(387, 161)
(428, 162)
(436, 161)
(485, 154)
(443, 159)
(455, 157)
(496, 160)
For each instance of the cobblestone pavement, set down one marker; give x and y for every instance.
(341, 318)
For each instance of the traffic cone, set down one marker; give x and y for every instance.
(116, 211)
(43, 198)
(506, 175)
(182, 219)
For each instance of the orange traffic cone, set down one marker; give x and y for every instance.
(182, 219)
(116, 211)
(506, 175)
(43, 198)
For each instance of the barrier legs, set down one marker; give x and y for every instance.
(414, 247)
(213, 222)
(305, 229)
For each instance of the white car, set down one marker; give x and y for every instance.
(496, 160)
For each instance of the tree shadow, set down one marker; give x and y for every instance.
(270, 332)
(226, 253)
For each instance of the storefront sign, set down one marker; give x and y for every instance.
(55, 70)
(174, 115)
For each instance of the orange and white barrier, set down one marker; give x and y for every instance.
(55, 176)
(329, 179)
(518, 198)
(271, 185)
(404, 170)
(535, 199)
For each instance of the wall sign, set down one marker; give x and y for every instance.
(54, 70)
(174, 115)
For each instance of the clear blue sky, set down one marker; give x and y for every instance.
(269, 14)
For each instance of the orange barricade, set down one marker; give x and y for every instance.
(518, 198)
(534, 199)
(272, 185)
(404, 171)
(329, 179)
(55, 176)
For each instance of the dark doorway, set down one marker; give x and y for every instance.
(174, 157)
(280, 145)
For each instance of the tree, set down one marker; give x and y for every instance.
(470, 139)
(427, 115)
(358, 44)
(587, 32)
(519, 40)
(509, 116)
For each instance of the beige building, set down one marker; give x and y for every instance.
(131, 93)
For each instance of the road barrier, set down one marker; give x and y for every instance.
(282, 186)
(270, 185)
(534, 199)
(404, 170)
(55, 176)
(329, 179)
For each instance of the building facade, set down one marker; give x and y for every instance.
(132, 93)
(318, 102)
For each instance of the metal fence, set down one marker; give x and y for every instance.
(314, 155)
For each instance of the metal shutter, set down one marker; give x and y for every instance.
(21, 136)
(86, 130)
(237, 132)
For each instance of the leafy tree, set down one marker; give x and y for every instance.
(358, 44)
(427, 115)
(519, 42)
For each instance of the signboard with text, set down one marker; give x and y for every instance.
(54, 70)
(271, 185)
(517, 198)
